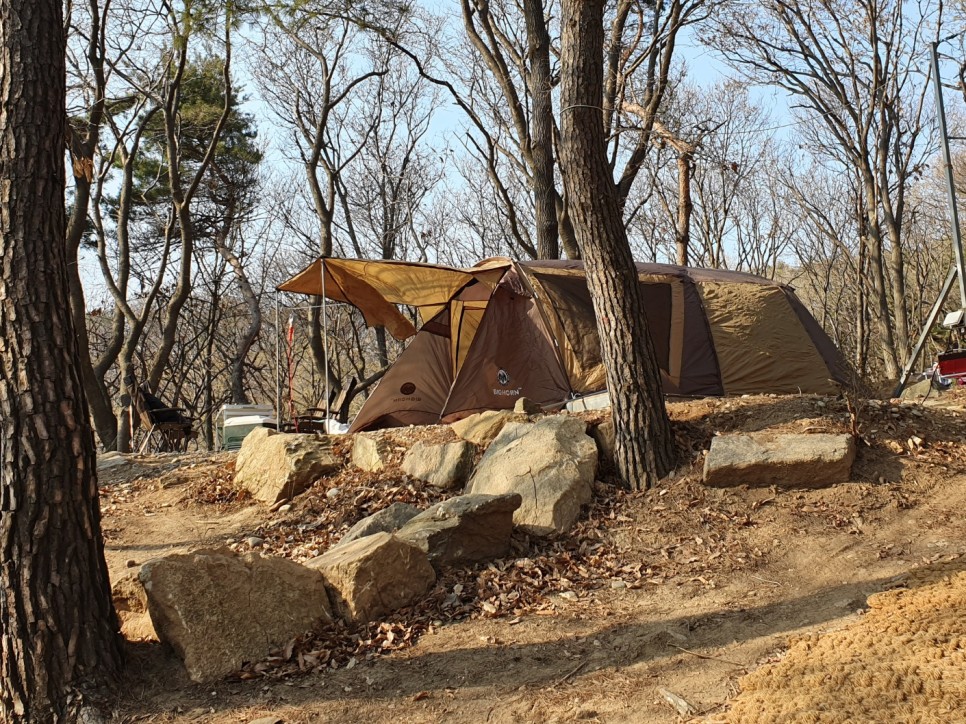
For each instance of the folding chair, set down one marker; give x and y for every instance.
(168, 429)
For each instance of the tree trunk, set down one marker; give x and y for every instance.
(541, 129)
(645, 443)
(82, 143)
(682, 233)
(317, 345)
(382, 348)
(96, 392)
(247, 339)
(877, 269)
(58, 630)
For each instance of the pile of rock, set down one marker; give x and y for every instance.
(219, 610)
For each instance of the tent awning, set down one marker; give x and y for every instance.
(376, 287)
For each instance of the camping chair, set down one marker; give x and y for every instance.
(168, 429)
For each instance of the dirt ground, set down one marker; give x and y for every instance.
(680, 603)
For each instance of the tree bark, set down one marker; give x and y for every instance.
(644, 441)
(58, 629)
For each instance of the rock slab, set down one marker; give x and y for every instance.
(464, 529)
(370, 453)
(219, 610)
(481, 428)
(526, 406)
(387, 520)
(445, 466)
(550, 463)
(278, 466)
(785, 460)
(373, 576)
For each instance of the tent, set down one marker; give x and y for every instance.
(502, 330)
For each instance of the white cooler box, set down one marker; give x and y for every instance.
(236, 421)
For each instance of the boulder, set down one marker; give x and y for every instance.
(278, 466)
(603, 434)
(373, 576)
(131, 604)
(481, 428)
(526, 406)
(446, 465)
(784, 460)
(923, 388)
(387, 520)
(464, 529)
(370, 453)
(219, 610)
(550, 463)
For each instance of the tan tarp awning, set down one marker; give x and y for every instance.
(376, 287)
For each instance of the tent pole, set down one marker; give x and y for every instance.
(325, 341)
(538, 303)
(278, 368)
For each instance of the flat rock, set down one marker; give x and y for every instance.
(218, 610)
(278, 466)
(373, 576)
(481, 428)
(445, 465)
(762, 459)
(550, 463)
(464, 529)
(369, 452)
(387, 520)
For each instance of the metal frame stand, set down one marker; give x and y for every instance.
(959, 269)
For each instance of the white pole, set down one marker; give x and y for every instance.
(325, 341)
(278, 367)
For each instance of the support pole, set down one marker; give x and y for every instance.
(924, 335)
(950, 185)
(278, 366)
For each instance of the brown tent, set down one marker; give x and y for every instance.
(503, 330)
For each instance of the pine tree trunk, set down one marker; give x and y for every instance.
(58, 630)
(645, 444)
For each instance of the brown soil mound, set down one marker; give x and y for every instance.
(904, 661)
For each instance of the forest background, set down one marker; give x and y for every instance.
(216, 148)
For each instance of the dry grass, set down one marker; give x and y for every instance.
(903, 661)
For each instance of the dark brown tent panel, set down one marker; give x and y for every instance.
(503, 330)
